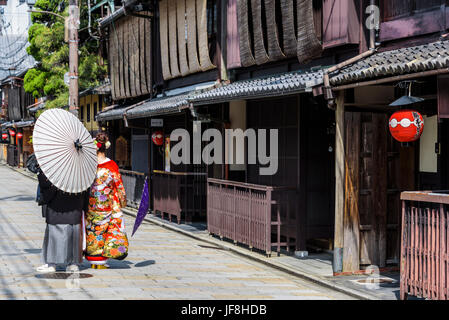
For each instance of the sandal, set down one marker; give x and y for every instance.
(99, 266)
(46, 268)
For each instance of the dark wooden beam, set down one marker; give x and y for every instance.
(351, 220)
(339, 183)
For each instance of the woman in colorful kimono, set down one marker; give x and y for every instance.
(105, 234)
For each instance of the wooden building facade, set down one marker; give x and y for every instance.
(310, 70)
(411, 60)
(19, 121)
(91, 102)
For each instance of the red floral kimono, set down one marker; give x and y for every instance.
(104, 216)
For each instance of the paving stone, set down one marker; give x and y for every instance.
(162, 264)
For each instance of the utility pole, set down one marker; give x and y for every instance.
(73, 25)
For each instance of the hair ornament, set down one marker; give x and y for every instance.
(108, 145)
(97, 144)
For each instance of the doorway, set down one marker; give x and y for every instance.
(378, 169)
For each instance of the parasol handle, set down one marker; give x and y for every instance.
(78, 145)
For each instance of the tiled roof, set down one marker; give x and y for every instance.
(113, 113)
(267, 86)
(153, 107)
(18, 124)
(157, 106)
(14, 59)
(146, 108)
(104, 88)
(23, 124)
(395, 62)
(5, 125)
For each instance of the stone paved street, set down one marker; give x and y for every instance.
(162, 264)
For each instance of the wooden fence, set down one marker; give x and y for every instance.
(133, 183)
(3, 152)
(177, 193)
(425, 245)
(12, 156)
(247, 213)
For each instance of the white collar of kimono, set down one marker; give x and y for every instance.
(105, 160)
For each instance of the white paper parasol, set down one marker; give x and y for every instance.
(65, 151)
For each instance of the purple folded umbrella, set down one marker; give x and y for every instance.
(143, 207)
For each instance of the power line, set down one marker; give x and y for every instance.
(16, 62)
(11, 53)
(20, 42)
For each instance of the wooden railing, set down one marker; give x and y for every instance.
(177, 193)
(3, 152)
(249, 214)
(25, 155)
(13, 156)
(425, 245)
(133, 183)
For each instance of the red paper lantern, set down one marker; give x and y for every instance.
(4, 136)
(158, 138)
(12, 133)
(406, 125)
(19, 135)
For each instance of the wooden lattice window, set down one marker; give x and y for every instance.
(411, 18)
(402, 8)
(212, 27)
(121, 152)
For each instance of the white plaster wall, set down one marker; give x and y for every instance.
(428, 159)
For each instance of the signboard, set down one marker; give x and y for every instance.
(157, 123)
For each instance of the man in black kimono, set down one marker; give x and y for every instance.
(63, 241)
